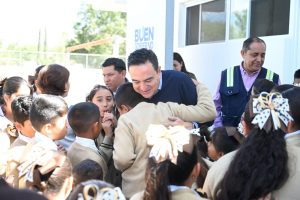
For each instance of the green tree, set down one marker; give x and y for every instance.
(97, 24)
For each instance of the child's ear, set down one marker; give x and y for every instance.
(47, 129)
(124, 109)
(18, 126)
(221, 154)
(96, 127)
(291, 127)
(197, 169)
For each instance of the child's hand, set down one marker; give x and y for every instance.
(107, 124)
(110, 116)
(175, 121)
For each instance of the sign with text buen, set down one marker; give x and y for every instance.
(146, 27)
(143, 37)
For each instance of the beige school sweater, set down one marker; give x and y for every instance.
(78, 153)
(290, 190)
(130, 146)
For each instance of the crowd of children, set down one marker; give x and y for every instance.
(110, 146)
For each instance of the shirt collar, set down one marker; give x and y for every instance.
(288, 135)
(160, 81)
(173, 188)
(245, 72)
(86, 142)
(24, 138)
(48, 142)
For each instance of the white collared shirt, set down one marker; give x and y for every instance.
(86, 142)
(47, 141)
(291, 134)
(173, 188)
(24, 138)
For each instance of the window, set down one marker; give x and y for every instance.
(238, 19)
(192, 25)
(269, 17)
(206, 22)
(213, 21)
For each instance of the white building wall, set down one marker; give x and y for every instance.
(207, 60)
(143, 15)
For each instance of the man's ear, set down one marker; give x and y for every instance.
(243, 52)
(159, 69)
(123, 72)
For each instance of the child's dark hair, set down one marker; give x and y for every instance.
(46, 109)
(82, 115)
(297, 74)
(293, 95)
(262, 85)
(259, 167)
(203, 172)
(282, 88)
(52, 79)
(20, 108)
(226, 139)
(160, 175)
(96, 88)
(87, 170)
(126, 95)
(10, 86)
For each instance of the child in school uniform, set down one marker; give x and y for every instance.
(20, 109)
(48, 116)
(10, 88)
(130, 152)
(84, 119)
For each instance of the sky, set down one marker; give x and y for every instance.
(20, 21)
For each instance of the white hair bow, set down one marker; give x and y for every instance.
(271, 104)
(105, 193)
(166, 142)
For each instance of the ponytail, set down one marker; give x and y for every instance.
(157, 180)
